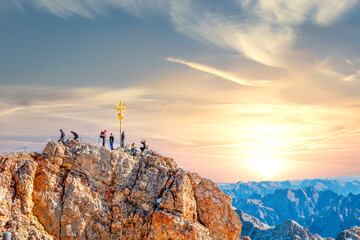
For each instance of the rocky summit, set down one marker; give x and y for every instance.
(85, 191)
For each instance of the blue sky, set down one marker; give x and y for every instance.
(251, 89)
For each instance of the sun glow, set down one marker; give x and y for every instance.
(263, 155)
(267, 166)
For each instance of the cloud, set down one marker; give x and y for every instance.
(225, 75)
(329, 11)
(325, 139)
(88, 108)
(283, 12)
(61, 101)
(352, 77)
(263, 30)
(340, 68)
(91, 8)
(245, 37)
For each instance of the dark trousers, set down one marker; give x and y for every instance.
(133, 151)
(103, 142)
(122, 142)
(61, 139)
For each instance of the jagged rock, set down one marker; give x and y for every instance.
(251, 225)
(210, 199)
(17, 173)
(85, 191)
(352, 233)
(24, 180)
(323, 212)
(288, 230)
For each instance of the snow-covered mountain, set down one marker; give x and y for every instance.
(323, 212)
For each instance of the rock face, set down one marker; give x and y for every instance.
(288, 230)
(352, 233)
(85, 191)
(251, 225)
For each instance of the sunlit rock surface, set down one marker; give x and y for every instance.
(85, 191)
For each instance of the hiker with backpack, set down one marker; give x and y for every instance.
(111, 140)
(76, 136)
(122, 139)
(62, 136)
(103, 136)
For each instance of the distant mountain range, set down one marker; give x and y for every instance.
(323, 212)
(288, 230)
(339, 185)
(324, 206)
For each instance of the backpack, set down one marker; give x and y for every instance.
(102, 134)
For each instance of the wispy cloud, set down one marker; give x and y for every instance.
(339, 68)
(352, 77)
(246, 37)
(263, 30)
(323, 140)
(223, 74)
(321, 12)
(91, 8)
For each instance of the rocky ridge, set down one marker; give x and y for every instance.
(85, 191)
(322, 212)
(288, 230)
(352, 233)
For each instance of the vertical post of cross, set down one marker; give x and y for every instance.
(120, 108)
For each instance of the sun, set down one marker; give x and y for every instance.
(267, 166)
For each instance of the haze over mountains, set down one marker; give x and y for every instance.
(288, 230)
(322, 212)
(339, 185)
(324, 206)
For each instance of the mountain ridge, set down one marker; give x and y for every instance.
(341, 185)
(323, 212)
(287, 230)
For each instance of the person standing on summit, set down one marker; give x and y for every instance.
(111, 139)
(122, 139)
(103, 136)
(62, 136)
(143, 142)
(76, 136)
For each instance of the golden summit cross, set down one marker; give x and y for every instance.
(120, 108)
